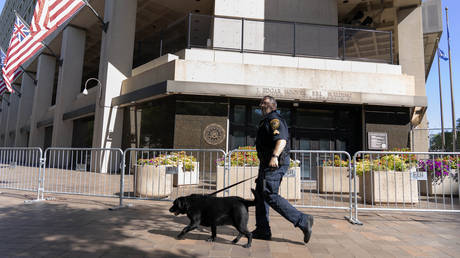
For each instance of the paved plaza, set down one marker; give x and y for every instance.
(79, 226)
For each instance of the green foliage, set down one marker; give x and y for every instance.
(436, 142)
(248, 158)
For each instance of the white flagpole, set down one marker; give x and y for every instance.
(454, 129)
(443, 137)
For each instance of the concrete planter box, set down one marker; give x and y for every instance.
(441, 187)
(289, 188)
(153, 181)
(182, 177)
(335, 180)
(388, 187)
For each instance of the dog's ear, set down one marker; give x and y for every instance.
(183, 204)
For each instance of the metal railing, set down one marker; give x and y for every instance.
(315, 179)
(373, 181)
(267, 36)
(21, 168)
(85, 171)
(406, 181)
(165, 174)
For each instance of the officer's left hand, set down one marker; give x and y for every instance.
(273, 162)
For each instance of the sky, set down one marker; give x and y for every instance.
(432, 83)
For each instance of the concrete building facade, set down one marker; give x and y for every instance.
(172, 74)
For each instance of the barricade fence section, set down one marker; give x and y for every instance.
(85, 171)
(407, 181)
(165, 174)
(20, 168)
(372, 180)
(315, 179)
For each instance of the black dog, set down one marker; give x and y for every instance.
(213, 211)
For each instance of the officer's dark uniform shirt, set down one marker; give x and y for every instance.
(271, 129)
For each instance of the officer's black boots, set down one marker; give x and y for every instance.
(259, 234)
(307, 228)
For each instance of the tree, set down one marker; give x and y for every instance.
(436, 140)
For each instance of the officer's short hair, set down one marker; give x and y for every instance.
(272, 101)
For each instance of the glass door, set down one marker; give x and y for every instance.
(310, 161)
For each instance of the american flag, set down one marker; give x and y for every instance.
(21, 44)
(41, 16)
(20, 30)
(3, 85)
(48, 16)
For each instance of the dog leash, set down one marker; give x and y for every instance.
(230, 186)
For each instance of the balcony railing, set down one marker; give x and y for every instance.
(270, 37)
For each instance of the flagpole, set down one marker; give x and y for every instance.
(454, 129)
(28, 74)
(443, 137)
(105, 25)
(59, 60)
(24, 70)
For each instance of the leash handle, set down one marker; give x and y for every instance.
(230, 186)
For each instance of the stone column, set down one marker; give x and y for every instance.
(412, 60)
(24, 111)
(116, 60)
(69, 83)
(3, 119)
(11, 120)
(42, 98)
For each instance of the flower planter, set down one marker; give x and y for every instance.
(153, 181)
(182, 177)
(335, 180)
(441, 187)
(388, 187)
(289, 188)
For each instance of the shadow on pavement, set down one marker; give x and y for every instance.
(50, 229)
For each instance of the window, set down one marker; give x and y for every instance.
(83, 132)
(239, 113)
(256, 115)
(315, 118)
(55, 83)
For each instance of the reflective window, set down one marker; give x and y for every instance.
(315, 118)
(238, 138)
(256, 115)
(286, 114)
(239, 113)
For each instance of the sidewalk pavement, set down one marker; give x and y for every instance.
(80, 226)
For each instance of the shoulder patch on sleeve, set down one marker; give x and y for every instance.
(275, 124)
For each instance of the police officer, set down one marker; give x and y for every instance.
(272, 143)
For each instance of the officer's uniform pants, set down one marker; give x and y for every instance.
(267, 185)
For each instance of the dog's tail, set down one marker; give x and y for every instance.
(250, 203)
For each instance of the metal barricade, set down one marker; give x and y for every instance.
(315, 179)
(407, 181)
(84, 171)
(20, 168)
(165, 174)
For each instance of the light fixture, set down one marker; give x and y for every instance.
(85, 90)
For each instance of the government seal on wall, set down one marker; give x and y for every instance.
(214, 134)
